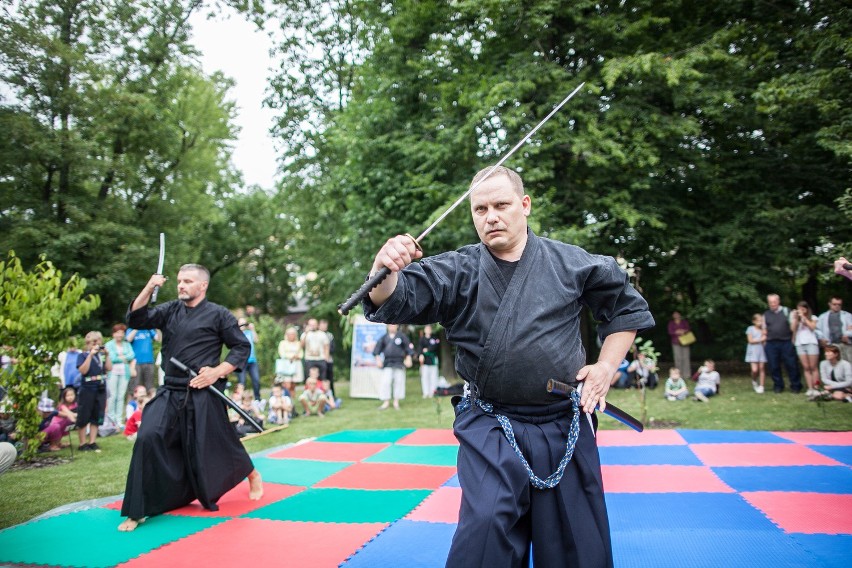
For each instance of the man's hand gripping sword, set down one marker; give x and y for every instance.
(564, 389)
(379, 276)
(243, 414)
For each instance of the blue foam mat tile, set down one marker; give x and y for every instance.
(683, 511)
(413, 544)
(648, 455)
(731, 437)
(453, 481)
(708, 548)
(795, 478)
(831, 550)
(843, 454)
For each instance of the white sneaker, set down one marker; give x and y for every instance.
(700, 396)
(758, 389)
(754, 385)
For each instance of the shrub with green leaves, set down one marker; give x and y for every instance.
(37, 312)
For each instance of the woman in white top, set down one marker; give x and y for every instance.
(803, 325)
(289, 366)
(836, 375)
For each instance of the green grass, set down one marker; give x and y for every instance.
(29, 493)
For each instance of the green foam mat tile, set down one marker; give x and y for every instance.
(343, 506)
(91, 538)
(296, 472)
(367, 436)
(421, 455)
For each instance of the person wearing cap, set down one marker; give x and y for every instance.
(47, 410)
(93, 363)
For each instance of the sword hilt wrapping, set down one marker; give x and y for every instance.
(362, 292)
(154, 295)
(371, 283)
(222, 396)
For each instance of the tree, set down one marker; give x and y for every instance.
(685, 153)
(113, 135)
(37, 312)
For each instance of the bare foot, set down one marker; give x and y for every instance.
(130, 524)
(255, 485)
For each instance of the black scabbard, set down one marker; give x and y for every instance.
(564, 389)
(245, 416)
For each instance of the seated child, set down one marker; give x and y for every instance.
(133, 404)
(643, 371)
(708, 381)
(131, 428)
(676, 388)
(280, 406)
(621, 379)
(312, 398)
(65, 416)
(248, 405)
(237, 393)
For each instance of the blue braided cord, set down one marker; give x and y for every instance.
(573, 433)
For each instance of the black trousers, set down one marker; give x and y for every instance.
(185, 449)
(502, 514)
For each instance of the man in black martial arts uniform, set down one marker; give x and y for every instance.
(511, 305)
(186, 449)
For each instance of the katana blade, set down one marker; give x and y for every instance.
(377, 278)
(500, 163)
(160, 264)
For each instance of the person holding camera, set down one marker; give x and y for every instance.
(93, 363)
(803, 324)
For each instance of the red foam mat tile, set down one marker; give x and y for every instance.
(722, 455)
(427, 437)
(389, 476)
(818, 438)
(807, 513)
(662, 479)
(646, 438)
(329, 451)
(234, 503)
(442, 506)
(259, 542)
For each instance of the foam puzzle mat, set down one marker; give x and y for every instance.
(676, 498)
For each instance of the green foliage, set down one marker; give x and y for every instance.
(113, 135)
(37, 313)
(708, 147)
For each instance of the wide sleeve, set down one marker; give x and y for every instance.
(380, 345)
(233, 337)
(845, 374)
(616, 305)
(428, 291)
(147, 317)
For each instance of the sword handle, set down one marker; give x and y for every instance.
(192, 374)
(362, 292)
(154, 295)
(564, 389)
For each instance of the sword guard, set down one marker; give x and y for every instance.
(416, 244)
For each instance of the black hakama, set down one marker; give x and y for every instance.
(502, 513)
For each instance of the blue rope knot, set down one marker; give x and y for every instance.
(573, 433)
